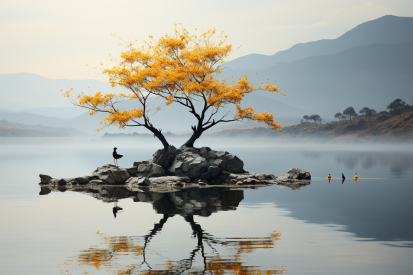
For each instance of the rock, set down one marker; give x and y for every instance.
(232, 164)
(138, 181)
(112, 174)
(82, 180)
(89, 176)
(165, 158)
(214, 171)
(97, 182)
(295, 173)
(204, 151)
(172, 180)
(177, 164)
(44, 179)
(186, 162)
(155, 170)
(142, 167)
(132, 170)
(197, 167)
(206, 176)
(137, 163)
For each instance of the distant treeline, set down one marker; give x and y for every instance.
(396, 107)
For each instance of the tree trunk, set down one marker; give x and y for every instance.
(159, 135)
(190, 142)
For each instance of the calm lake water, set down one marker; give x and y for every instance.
(362, 227)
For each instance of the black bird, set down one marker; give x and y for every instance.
(116, 209)
(116, 156)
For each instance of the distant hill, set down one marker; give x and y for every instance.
(19, 129)
(387, 30)
(37, 91)
(382, 128)
(371, 76)
(174, 118)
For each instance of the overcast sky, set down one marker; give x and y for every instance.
(57, 38)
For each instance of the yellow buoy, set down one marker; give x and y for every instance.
(356, 177)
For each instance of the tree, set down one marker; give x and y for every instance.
(315, 118)
(339, 116)
(350, 113)
(367, 112)
(397, 107)
(306, 118)
(180, 69)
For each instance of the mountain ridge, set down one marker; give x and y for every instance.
(388, 29)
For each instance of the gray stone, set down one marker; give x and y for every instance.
(220, 154)
(132, 170)
(44, 178)
(142, 168)
(143, 182)
(112, 174)
(177, 164)
(212, 154)
(97, 182)
(166, 180)
(82, 180)
(186, 162)
(214, 171)
(165, 158)
(217, 162)
(104, 174)
(89, 176)
(197, 167)
(155, 170)
(296, 173)
(205, 176)
(137, 163)
(232, 164)
(204, 151)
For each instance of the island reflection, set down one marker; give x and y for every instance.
(114, 251)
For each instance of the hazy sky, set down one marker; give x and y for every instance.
(57, 38)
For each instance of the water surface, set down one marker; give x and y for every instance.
(361, 227)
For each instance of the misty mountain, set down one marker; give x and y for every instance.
(173, 118)
(12, 106)
(59, 112)
(371, 76)
(36, 91)
(388, 30)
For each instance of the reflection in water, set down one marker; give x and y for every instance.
(116, 209)
(137, 251)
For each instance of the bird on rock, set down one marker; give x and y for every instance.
(116, 156)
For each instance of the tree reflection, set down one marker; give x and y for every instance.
(114, 251)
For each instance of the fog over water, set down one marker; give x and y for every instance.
(362, 227)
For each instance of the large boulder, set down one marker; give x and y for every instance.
(111, 174)
(164, 158)
(232, 164)
(197, 167)
(154, 170)
(295, 174)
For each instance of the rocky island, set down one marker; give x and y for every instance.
(175, 169)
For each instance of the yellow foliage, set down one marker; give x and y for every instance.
(177, 67)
